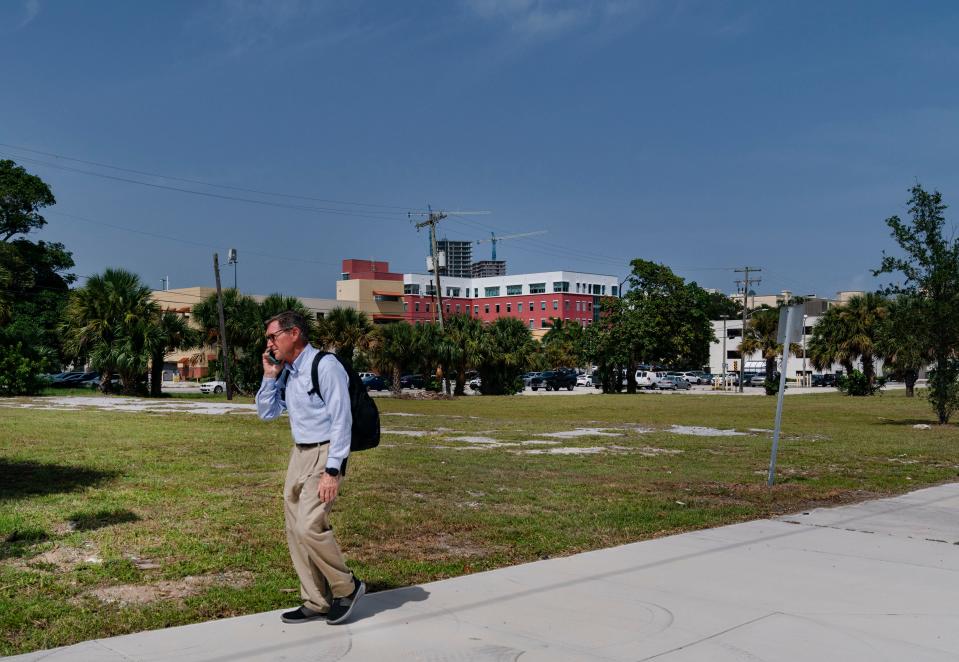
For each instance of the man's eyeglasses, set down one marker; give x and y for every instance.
(271, 337)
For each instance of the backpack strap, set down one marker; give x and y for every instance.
(314, 373)
(281, 382)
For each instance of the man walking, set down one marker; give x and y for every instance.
(321, 424)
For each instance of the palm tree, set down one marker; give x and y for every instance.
(761, 336)
(564, 343)
(505, 353)
(849, 332)
(244, 333)
(862, 316)
(464, 340)
(392, 350)
(171, 333)
(344, 330)
(902, 339)
(108, 320)
(427, 348)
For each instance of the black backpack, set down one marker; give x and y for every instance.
(365, 432)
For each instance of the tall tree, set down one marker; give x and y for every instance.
(465, 339)
(828, 343)
(344, 330)
(861, 316)
(507, 348)
(34, 283)
(902, 337)
(108, 320)
(563, 343)
(170, 333)
(391, 349)
(244, 333)
(22, 196)
(929, 264)
(761, 336)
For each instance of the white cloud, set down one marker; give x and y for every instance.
(548, 18)
(31, 8)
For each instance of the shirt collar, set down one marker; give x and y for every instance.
(302, 359)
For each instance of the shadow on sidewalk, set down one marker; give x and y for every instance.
(377, 603)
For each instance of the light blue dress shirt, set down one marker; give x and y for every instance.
(313, 419)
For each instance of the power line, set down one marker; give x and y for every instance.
(201, 182)
(219, 196)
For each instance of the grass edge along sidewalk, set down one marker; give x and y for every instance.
(113, 522)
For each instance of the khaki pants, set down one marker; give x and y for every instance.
(316, 555)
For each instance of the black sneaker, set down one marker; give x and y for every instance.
(302, 615)
(341, 608)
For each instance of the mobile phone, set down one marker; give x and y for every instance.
(272, 358)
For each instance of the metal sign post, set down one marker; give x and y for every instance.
(789, 319)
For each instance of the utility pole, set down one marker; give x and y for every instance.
(746, 283)
(232, 260)
(432, 219)
(725, 317)
(223, 342)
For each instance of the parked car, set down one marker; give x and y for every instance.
(706, 377)
(678, 382)
(755, 379)
(364, 375)
(375, 383)
(476, 383)
(94, 382)
(584, 380)
(412, 381)
(213, 386)
(665, 384)
(553, 380)
(527, 378)
(827, 379)
(649, 378)
(73, 379)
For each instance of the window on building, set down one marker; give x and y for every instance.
(476, 309)
(566, 305)
(732, 354)
(734, 333)
(555, 304)
(453, 292)
(475, 292)
(519, 307)
(406, 306)
(542, 305)
(497, 309)
(531, 324)
(615, 289)
(544, 323)
(457, 309)
(430, 290)
(411, 288)
(537, 288)
(577, 288)
(492, 292)
(513, 290)
(447, 309)
(532, 306)
(509, 308)
(561, 286)
(427, 307)
(416, 306)
(604, 290)
(590, 304)
(486, 308)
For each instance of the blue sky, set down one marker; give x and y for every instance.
(704, 135)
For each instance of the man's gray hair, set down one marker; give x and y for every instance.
(290, 319)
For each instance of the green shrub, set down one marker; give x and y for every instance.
(20, 374)
(856, 383)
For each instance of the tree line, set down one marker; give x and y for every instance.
(112, 323)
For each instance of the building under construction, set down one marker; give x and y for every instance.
(459, 257)
(487, 268)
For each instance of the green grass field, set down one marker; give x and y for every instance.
(113, 522)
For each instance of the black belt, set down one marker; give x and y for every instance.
(313, 445)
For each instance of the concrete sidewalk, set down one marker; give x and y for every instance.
(869, 582)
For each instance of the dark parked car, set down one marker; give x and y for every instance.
(412, 381)
(553, 380)
(824, 380)
(74, 379)
(375, 383)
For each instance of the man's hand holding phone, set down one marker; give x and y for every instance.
(272, 367)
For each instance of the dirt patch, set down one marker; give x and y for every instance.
(139, 594)
(423, 395)
(583, 432)
(63, 559)
(698, 431)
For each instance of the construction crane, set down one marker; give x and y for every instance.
(494, 239)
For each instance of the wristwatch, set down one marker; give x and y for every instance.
(333, 471)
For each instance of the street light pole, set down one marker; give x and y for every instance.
(725, 317)
(803, 349)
